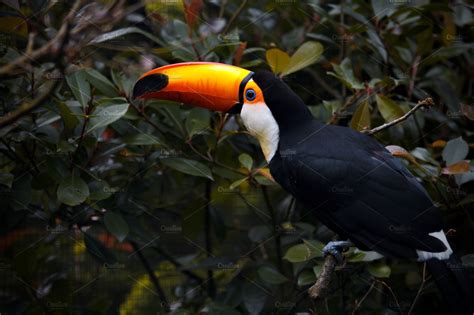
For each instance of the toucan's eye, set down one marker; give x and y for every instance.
(250, 94)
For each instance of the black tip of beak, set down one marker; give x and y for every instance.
(148, 84)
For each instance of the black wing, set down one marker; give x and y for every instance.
(358, 189)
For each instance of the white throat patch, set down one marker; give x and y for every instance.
(261, 124)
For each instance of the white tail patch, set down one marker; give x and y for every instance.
(423, 256)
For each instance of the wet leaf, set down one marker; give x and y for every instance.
(246, 161)
(388, 108)
(6, 179)
(277, 59)
(304, 56)
(105, 115)
(306, 277)
(72, 191)
(455, 151)
(141, 139)
(189, 167)
(361, 119)
(304, 252)
(197, 121)
(80, 87)
(271, 275)
(101, 83)
(254, 297)
(237, 183)
(14, 25)
(125, 31)
(346, 75)
(116, 225)
(379, 270)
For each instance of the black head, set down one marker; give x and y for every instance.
(286, 106)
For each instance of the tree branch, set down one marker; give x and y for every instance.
(152, 276)
(51, 47)
(28, 106)
(234, 16)
(318, 289)
(427, 102)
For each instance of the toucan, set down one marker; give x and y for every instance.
(347, 179)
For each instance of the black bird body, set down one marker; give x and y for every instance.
(353, 185)
(346, 179)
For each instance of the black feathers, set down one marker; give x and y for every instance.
(286, 106)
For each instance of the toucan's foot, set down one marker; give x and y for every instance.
(335, 248)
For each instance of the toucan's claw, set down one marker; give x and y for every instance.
(335, 249)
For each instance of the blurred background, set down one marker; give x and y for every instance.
(113, 207)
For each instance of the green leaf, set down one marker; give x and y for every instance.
(388, 108)
(100, 190)
(254, 297)
(101, 83)
(377, 44)
(306, 277)
(356, 257)
(259, 233)
(6, 179)
(361, 118)
(69, 119)
(379, 270)
(304, 56)
(16, 25)
(277, 59)
(197, 121)
(79, 87)
(105, 115)
(246, 161)
(189, 167)
(304, 252)
(72, 191)
(116, 225)
(455, 150)
(346, 75)
(271, 275)
(125, 31)
(141, 139)
(237, 183)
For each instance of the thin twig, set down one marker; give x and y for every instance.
(359, 304)
(28, 106)
(177, 264)
(50, 47)
(211, 287)
(152, 276)
(275, 224)
(234, 16)
(391, 292)
(420, 289)
(318, 289)
(427, 102)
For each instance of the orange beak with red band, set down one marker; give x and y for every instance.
(209, 85)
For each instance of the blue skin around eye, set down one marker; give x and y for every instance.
(250, 94)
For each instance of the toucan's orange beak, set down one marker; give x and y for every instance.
(215, 86)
